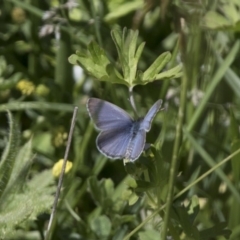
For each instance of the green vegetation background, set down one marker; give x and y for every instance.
(196, 75)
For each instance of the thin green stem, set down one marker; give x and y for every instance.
(32, 9)
(131, 98)
(211, 163)
(18, 106)
(214, 82)
(151, 198)
(147, 178)
(174, 162)
(96, 23)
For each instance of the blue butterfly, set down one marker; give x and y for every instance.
(120, 136)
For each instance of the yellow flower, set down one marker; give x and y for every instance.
(42, 90)
(57, 168)
(18, 15)
(25, 87)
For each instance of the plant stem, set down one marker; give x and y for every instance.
(63, 69)
(96, 23)
(49, 229)
(224, 66)
(131, 98)
(174, 162)
(18, 106)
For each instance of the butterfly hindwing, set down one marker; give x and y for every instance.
(113, 143)
(136, 145)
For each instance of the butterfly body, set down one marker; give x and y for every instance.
(120, 136)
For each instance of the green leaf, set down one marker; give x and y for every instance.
(101, 226)
(232, 79)
(126, 44)
(14, 214)
(162, 168)
(143, 186)
(193, 208)
(109, 187)
(123, 9)
(120, 233)
(101, 191)
(214, 20)
(97, 54)
(139, 51)
(157, 66)
(96, 63)
(208, 159)
(131, 168)
(234, 133)
(17, 208)
(230, 20)
(95, 190)
(152, 73)
(42, 142)
(149, 235)
(175, 72)
(215, 231)
(231, 12)
(235, 145)
(120, 219)
(122, 186)
(184, 219)
(133, 199)
(175, 230)
(9, 154)
(10, 82)
(223, 66)
(41, 180)
(21, 168)
(118, 205)
(234, 216)
(94, 214)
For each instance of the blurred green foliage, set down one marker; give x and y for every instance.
(54, 55)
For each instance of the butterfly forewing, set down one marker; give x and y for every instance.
(147, 121)
(107, 116)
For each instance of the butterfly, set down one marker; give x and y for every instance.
(120, 137)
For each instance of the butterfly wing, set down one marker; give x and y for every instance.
(120, 136)
(136, 146)
(113, 143)
(107, 116)
(137, 143)
(147, 121)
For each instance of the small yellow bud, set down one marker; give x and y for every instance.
(57, 168)
(59, 137)
(25, 87)
(42, 90)
(18, 15)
